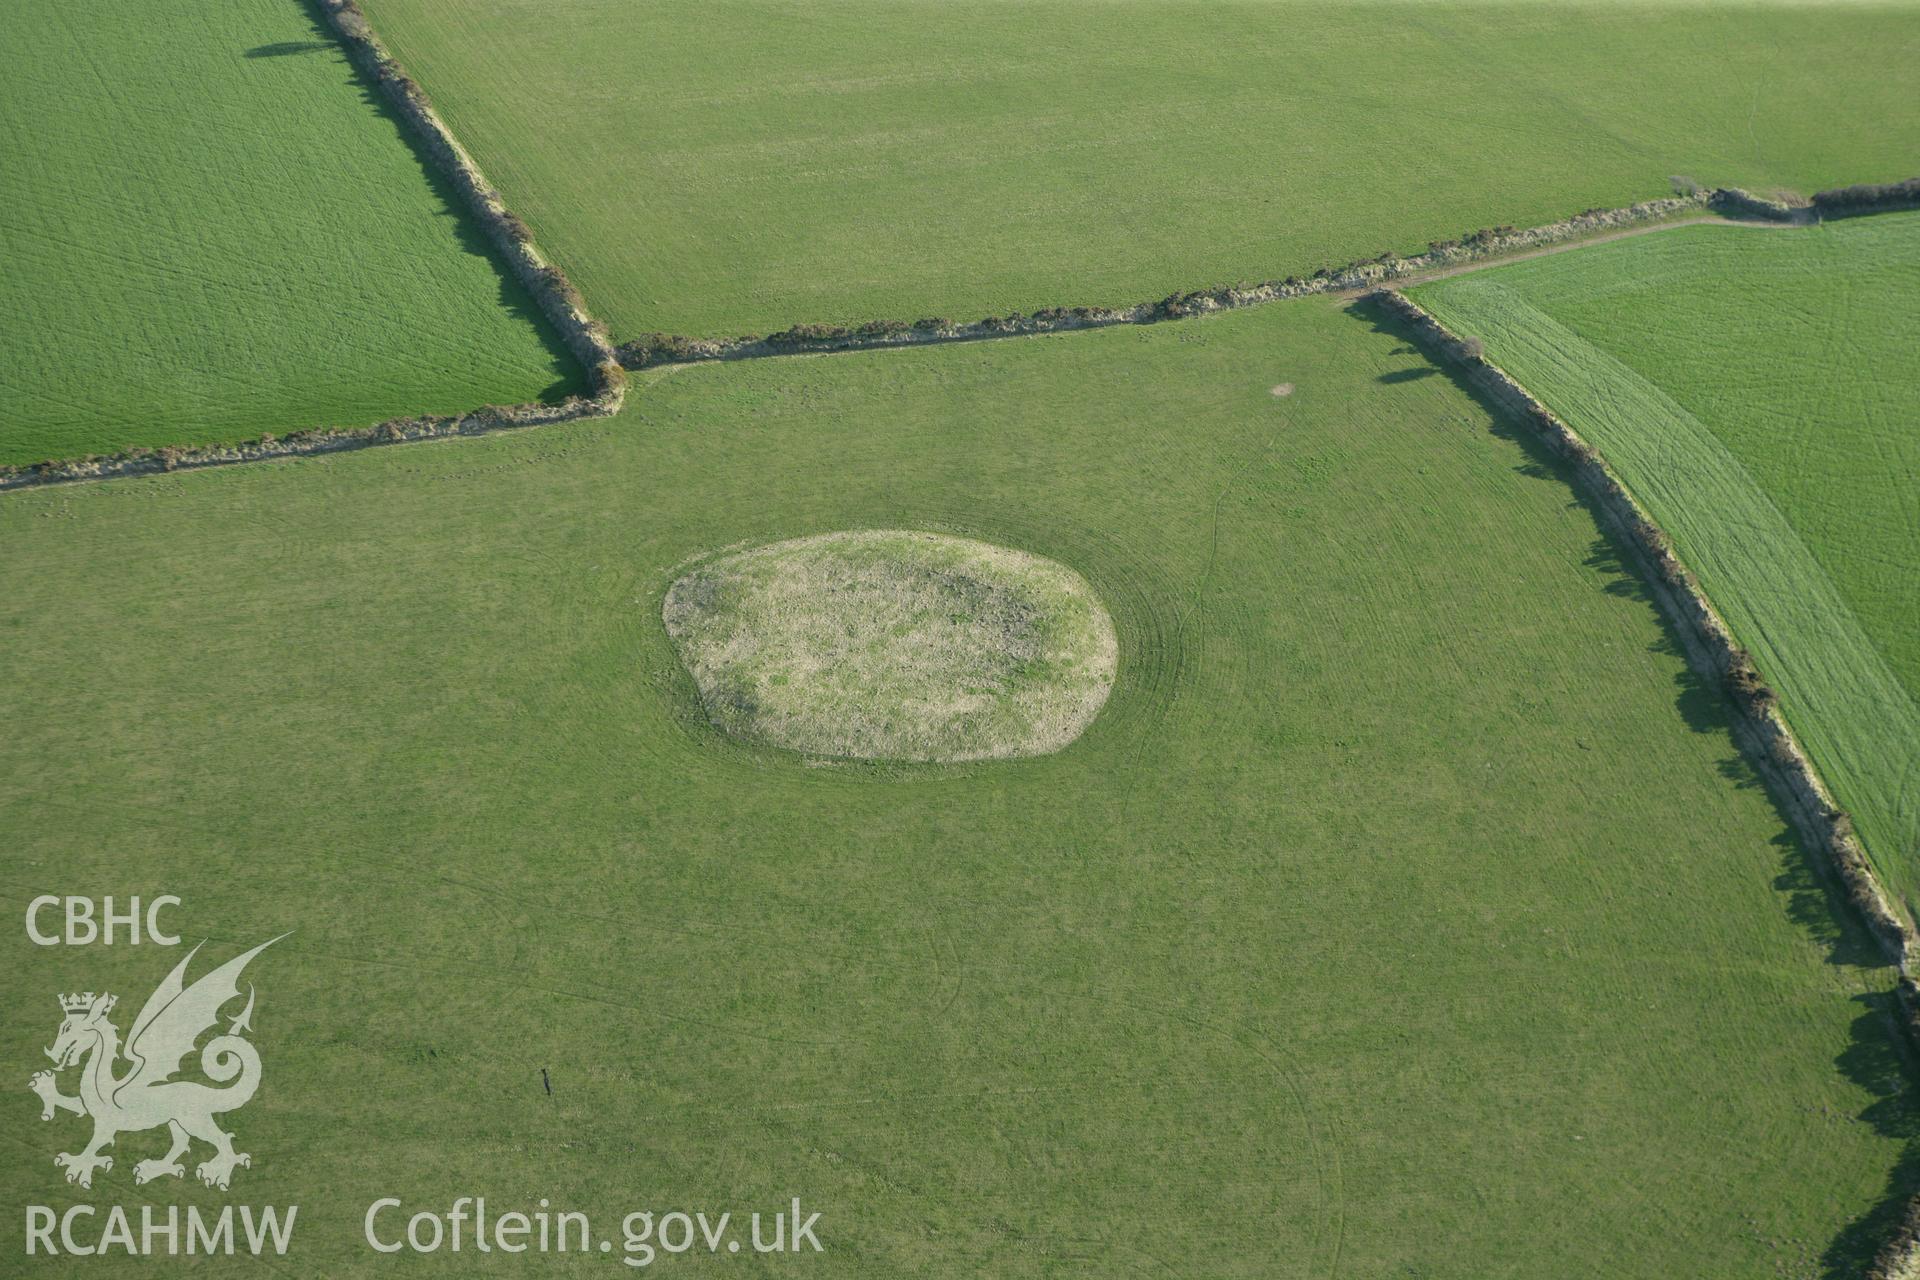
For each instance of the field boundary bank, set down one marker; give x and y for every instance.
(1705, 635)
(1802, 631)
(1478, 248)
(656, 349)
(559, 301)
(1713, 653)
(589, 340)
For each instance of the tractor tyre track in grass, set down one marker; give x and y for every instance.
(1790, 509)
(492, 688)
(892, 984)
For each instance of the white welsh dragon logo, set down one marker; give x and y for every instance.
(147, 1096)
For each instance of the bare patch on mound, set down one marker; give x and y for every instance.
(894, 645)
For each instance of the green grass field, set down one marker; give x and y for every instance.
(730, 166)
(1407, 911)
(213, 232)
(1757, 392)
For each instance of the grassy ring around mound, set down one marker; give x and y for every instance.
(894, 645)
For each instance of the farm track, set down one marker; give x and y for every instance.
(1497, 246)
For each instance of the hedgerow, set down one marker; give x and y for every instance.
(553, 292)
(657, 348)
(1783, 760)
(1867, 197)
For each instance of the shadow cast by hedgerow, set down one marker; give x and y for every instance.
(1875, 1061)
(1408, 375)
(1605, 557)
(570, 377)
(288, 48)
(1876, 1057)
(1539, 464)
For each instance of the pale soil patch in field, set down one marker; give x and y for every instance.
(894, 645)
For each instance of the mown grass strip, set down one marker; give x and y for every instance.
(1839, 694)
(1714, 654)
(1388, 902)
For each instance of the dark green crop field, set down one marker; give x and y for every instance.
(1407, 911)
(212, 232)
(1758, 392)
(714, 167)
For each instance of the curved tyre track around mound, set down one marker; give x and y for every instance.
(1437, 928)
